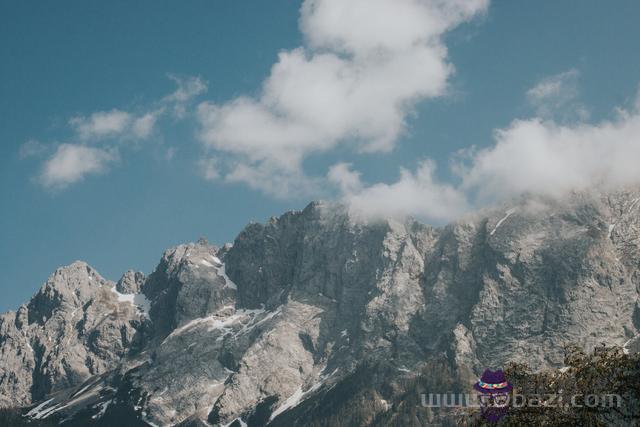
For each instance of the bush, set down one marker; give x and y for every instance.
(607, 371)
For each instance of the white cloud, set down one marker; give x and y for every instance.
(187, 89)
(113, 124)
(417, 194)
(71, 163)
(535, 156)
(366, 64)
(557, 97)
(281, 183)
(546, 158)
(363, 26)
(347, 179)
(142, 127)
(560, 85)
(121, 124)
(101, 124)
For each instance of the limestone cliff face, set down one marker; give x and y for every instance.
(76, 326)
(314, 308)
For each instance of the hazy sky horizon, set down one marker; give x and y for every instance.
(128, 128)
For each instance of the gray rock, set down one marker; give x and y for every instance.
(302, 305)
(131, 282)
(75, 327)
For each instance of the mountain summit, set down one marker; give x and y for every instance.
(315, 315)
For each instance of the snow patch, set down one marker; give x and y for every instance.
(625, 346)
(102, 409)
(224, 324)
(140, 301)
(499, 223)
(385, 404)
(228, 283)
(239, 420)
(37, 412)
(298, 396)
(205, 263)
(291, 402)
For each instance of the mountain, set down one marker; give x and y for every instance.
(316, 318)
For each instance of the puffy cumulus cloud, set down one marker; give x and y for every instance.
(535, 156)
(366, 64)
(418, 194)
(362, 26)
(71, 163)
(557, 97)
(542, 157)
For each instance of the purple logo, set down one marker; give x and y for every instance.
(494, 394)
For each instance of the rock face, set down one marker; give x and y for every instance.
(75, 327)
(313, 312)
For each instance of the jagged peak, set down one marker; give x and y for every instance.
(131, 282)
(76, 267)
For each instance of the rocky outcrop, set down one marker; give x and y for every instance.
(75, 327)
(131, 282)
(315, 313)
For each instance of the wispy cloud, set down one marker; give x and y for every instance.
(96, 137)
(188, 88)
(113, 124)
(72, 162)
(556, 97)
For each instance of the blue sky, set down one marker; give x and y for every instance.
(524, 71)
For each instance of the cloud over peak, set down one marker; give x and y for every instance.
(533, 156)
(418, 194)
(546, 158)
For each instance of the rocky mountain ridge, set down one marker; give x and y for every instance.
(314, 311)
